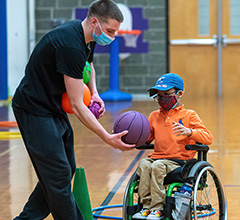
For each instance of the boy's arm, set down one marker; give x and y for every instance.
(151, 136)
(199, 132)
(196, 130)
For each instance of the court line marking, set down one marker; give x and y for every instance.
(7, 151)
(120, 181)
(213, 151)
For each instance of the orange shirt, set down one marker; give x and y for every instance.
(167, 144)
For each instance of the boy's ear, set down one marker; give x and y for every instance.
(180, 93)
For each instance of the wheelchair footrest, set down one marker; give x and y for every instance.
(131, 210)
(170, 205)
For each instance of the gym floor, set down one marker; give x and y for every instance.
(108, 170)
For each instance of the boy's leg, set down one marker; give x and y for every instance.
(143, 170)
(159, 170)
(53, 161)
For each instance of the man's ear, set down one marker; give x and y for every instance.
(94, 22)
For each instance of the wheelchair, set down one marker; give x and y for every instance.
(208, 198)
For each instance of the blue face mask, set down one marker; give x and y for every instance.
(103, 39)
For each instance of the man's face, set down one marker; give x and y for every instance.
(110, 27)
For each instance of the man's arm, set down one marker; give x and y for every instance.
(92, 82)
(93, 88)
(75, 92)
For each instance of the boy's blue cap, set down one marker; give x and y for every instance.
(166, 82)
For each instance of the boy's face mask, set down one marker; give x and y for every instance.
(167, 102)
(102, 39)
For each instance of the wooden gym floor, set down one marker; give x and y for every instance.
(108, 170)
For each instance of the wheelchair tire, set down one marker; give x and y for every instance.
(125, 214)
(209, 201)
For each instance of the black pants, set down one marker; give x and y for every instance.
(49, 143)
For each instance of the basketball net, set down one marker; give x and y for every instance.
(130, 37)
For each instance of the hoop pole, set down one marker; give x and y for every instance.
(114, 94)
(114, 65)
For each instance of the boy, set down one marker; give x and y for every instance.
(172, 127)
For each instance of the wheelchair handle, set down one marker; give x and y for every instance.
(202, 150)
(197, 147)
(145, 147)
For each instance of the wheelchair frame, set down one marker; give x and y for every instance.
(202, 176)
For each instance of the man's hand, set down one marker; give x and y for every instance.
(179, 129)
(96, 98)
(116, 142)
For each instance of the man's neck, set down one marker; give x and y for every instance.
(87, 30)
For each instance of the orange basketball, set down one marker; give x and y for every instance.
(66, 103)
(87, 95)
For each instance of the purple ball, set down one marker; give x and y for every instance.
(94, 108)
(137, 125)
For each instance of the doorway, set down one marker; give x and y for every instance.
(204, 45)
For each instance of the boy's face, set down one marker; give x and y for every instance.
(170, 92)
(168, 99)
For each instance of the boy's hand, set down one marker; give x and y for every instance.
(181, 130)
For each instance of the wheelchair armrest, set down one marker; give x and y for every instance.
(145, 147)
(197, 147)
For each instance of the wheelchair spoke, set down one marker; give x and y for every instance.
(209, 200)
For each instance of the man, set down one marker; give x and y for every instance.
(56, 66)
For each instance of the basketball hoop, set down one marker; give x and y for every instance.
(130, 37)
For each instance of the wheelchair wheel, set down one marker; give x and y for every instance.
(209, 200)
(131, 197)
